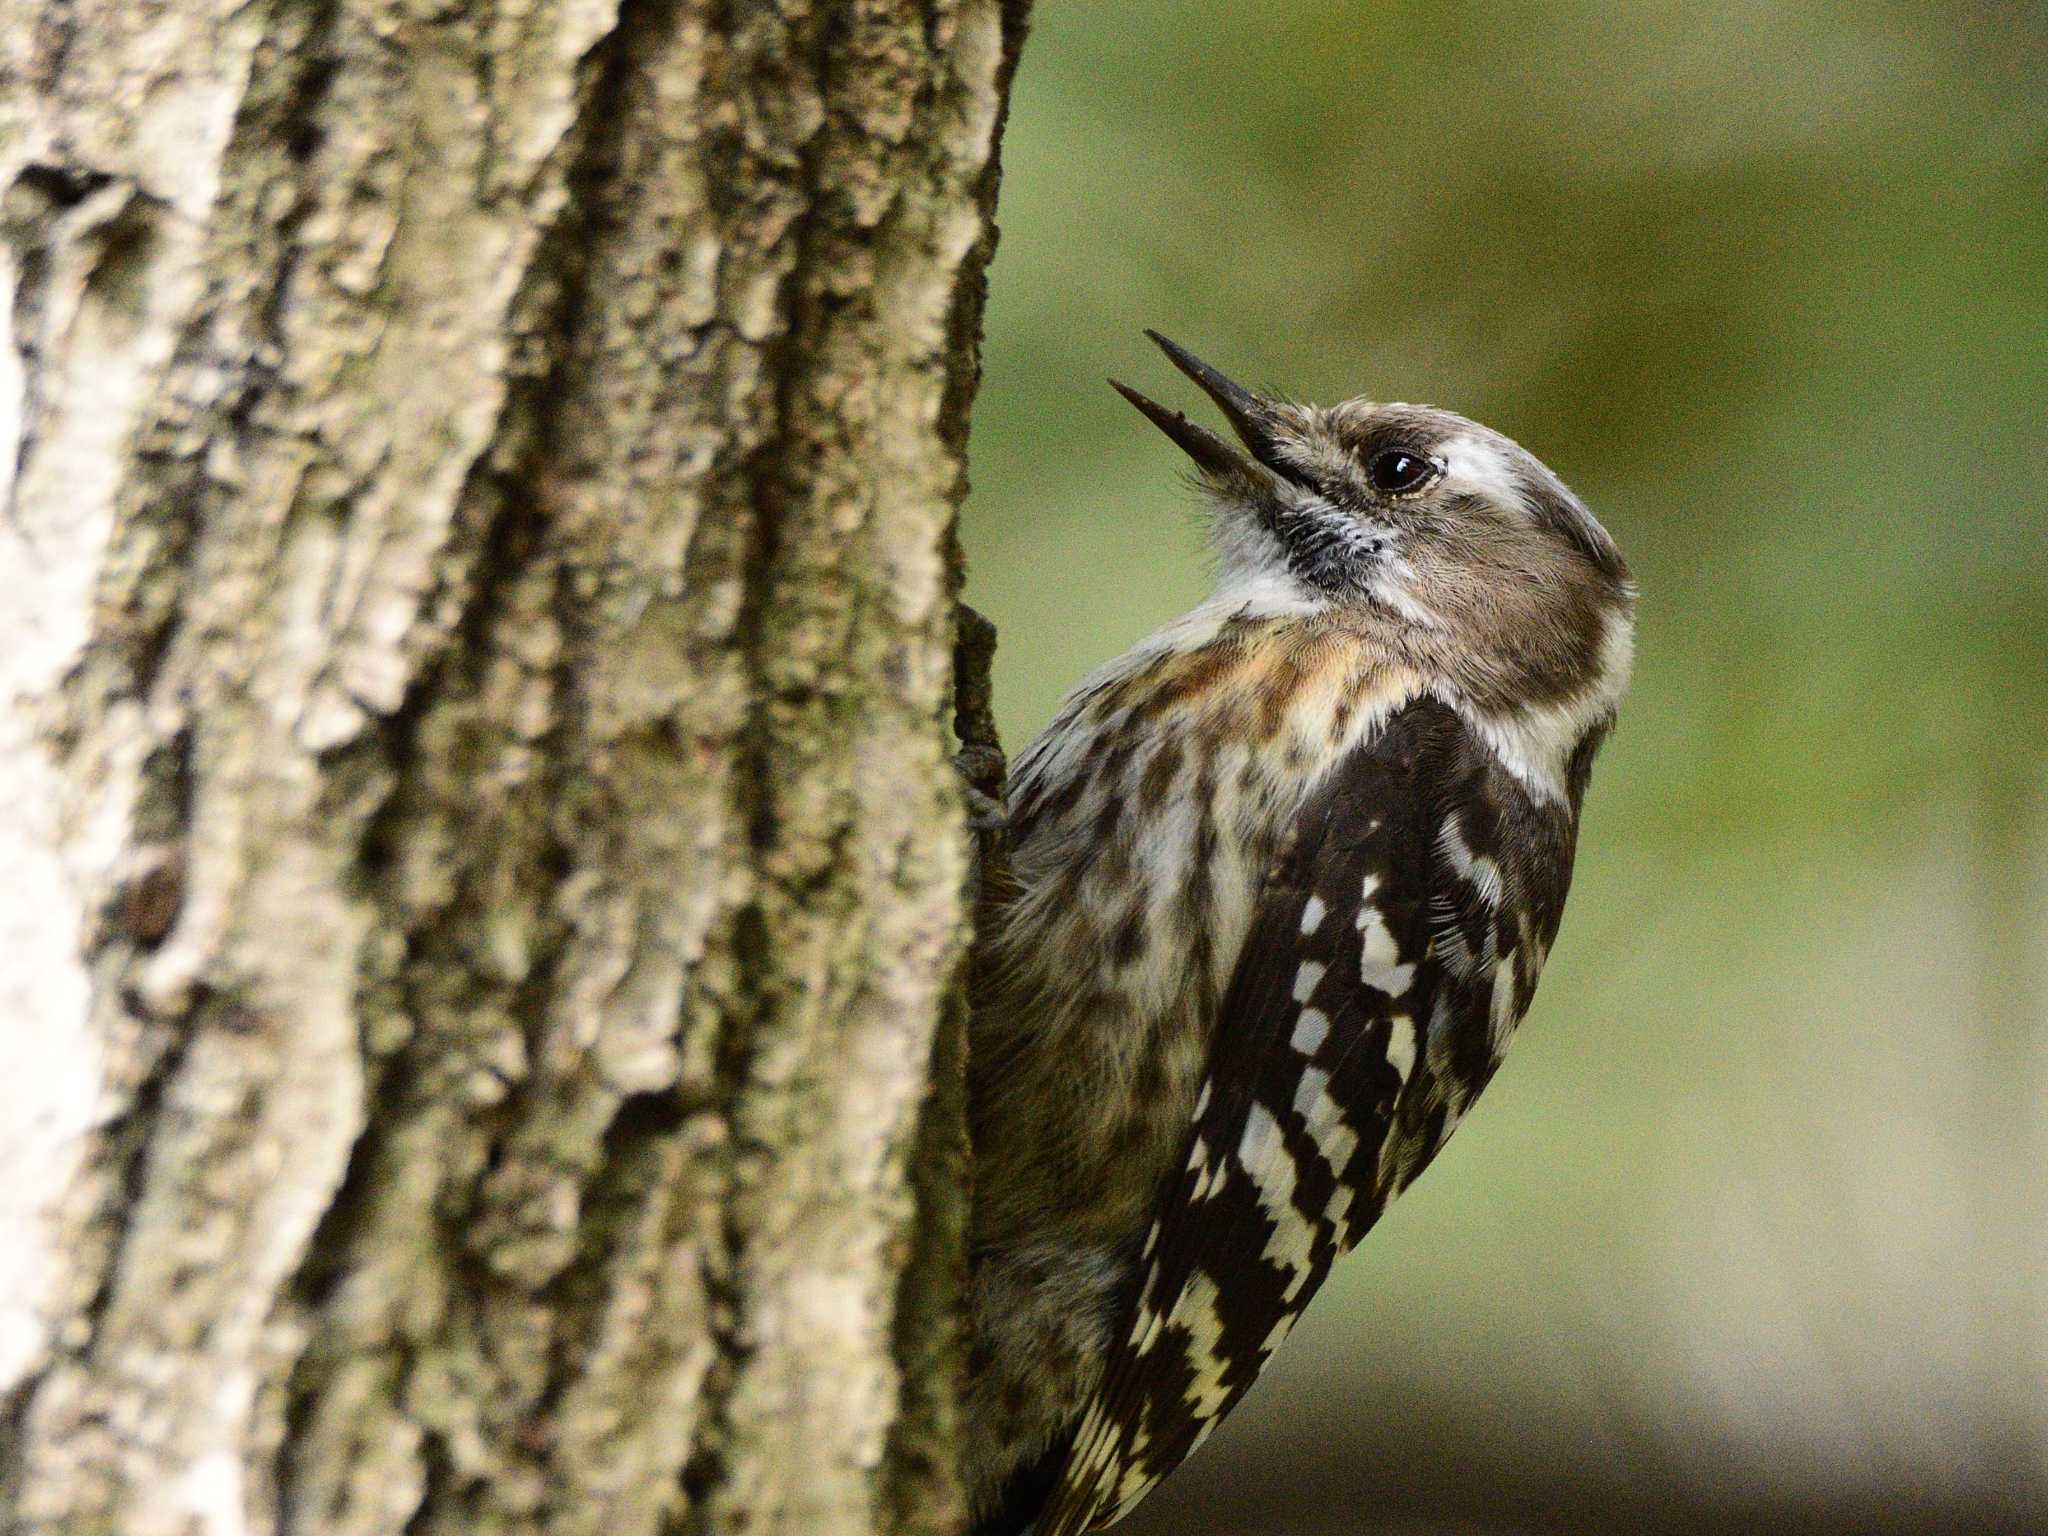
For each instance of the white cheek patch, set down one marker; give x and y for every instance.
(1392, 584)
(1536, 744)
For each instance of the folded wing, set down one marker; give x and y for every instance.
(1395, 947)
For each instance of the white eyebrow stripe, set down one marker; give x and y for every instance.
(1481, 465)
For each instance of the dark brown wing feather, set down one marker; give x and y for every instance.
(1360, 1022)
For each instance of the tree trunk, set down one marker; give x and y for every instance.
(483, 879)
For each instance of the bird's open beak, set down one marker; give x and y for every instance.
(1254, 420)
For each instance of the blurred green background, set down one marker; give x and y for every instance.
(1751, 1233)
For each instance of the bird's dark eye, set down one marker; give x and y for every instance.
(1396, 469)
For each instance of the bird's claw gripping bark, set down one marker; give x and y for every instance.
(980, 761)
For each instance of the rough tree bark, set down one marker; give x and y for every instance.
(480, 873)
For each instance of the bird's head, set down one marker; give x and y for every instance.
(1423, 526)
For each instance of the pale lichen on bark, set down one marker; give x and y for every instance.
(480, 483)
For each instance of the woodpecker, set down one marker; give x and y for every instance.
(1281, 879)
